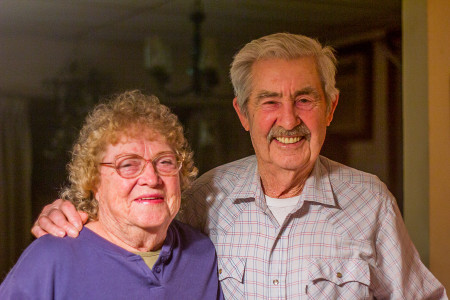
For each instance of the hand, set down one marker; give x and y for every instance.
(59, 218)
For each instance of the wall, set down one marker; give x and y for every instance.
(28, 61)
(426, 53)
(362, 155)
(415, 124)
(439, 137)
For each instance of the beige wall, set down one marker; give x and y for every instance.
(415, 124)
(426, 87)
(439, 136)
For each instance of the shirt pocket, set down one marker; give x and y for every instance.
(338, 279)
(231, 275)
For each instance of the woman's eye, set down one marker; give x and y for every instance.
(168, 162)
(129, 163)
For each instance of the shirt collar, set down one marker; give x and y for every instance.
(167, 248)
(249, 183)
(317, 187)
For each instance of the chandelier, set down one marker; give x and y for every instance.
(203, 73)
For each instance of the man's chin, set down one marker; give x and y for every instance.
(293, 162)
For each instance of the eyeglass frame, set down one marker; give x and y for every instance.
(152, 161)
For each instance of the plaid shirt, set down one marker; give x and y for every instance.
(344, 240)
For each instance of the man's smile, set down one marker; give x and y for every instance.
(288, 140)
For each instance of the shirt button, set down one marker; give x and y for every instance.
(276, 282)
(157, 269)
(339, 275)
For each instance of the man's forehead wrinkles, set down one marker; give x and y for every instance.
(267, 94)
(264, 94)
(309, 90)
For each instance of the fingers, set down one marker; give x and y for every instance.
(72, 216)
(58, 219)
(84, 216)
(37, 231)
(46, 225)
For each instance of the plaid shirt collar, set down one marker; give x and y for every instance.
(317, 187)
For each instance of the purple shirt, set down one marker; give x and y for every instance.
(89, 267)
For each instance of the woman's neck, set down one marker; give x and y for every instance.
(133, 239)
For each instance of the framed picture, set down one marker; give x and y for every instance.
(353, 116)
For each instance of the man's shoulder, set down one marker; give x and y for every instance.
(224, 175)
(361, 200)
(212, 189)
(340, 174)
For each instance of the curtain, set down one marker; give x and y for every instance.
(15, 181)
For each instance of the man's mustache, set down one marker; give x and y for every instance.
(299, 130)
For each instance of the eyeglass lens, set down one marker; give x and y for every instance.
(130, 166)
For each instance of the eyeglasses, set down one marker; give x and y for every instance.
(132, 165)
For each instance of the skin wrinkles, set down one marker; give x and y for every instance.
(125, 217)
(307, 91)
(287, 116)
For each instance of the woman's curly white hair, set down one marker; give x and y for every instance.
(129, 114)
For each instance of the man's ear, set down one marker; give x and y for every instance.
(242, 117)
(332, 108)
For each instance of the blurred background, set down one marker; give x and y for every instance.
(58, 58)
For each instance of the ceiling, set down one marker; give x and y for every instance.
(133, 20)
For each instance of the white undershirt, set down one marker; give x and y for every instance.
(281, 207)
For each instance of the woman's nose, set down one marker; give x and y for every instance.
(149, 175)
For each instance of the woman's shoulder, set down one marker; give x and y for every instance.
(54, 248)
(49, 248)
(41, 258)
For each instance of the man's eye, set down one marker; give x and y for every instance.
(305, 103)
(269, 102)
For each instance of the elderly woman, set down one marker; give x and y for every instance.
(127, 171)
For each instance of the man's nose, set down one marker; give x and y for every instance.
(289, 117)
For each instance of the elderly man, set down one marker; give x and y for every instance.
(288, 223)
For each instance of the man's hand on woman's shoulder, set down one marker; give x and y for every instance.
(59, 218)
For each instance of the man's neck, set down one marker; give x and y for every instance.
(282, 183)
